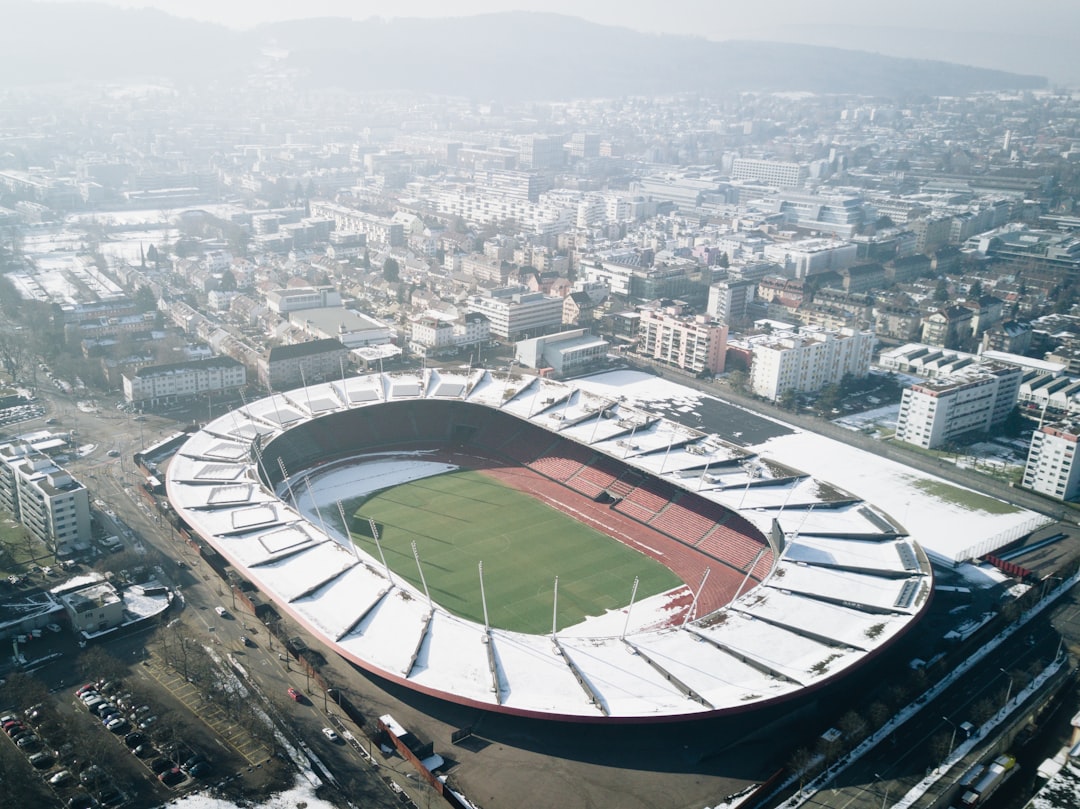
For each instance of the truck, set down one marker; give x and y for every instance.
(987, 784)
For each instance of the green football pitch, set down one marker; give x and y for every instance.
(459, 519)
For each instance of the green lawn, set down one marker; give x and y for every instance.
(460, 519)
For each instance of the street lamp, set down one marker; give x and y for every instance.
(952, 739)
(885, 798)
(1008, 691)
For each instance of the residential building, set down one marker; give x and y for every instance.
(45, 499)
(1052, 467)
(807, 360)
(155, 385)
(433, 335)
(565, 353)
(729, 301)
(948, 327)
(579, 309)
(1012, 336)
(694, 343)
(514, 312)
(971, 401)
(290, 366)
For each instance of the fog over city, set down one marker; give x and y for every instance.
(506, 405)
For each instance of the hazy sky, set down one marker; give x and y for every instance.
(715, 19)
(1034, 36)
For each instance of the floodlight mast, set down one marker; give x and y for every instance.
(693, 605)
(633, 595)
(348, 533)
(423, 581)
(555, 610)
(318, 513)
(483, 599)
(285, 480)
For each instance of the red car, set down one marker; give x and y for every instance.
(296, 695)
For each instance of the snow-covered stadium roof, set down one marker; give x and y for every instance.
(845, 583)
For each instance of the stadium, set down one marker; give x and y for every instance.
(524, 546)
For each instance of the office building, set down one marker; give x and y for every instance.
(514, 312)
(769, 172)
(290, 366)
(565, 353)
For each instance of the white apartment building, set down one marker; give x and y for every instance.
(1051, 467)
(694, 343)
(514, 312)
(972, 401)
(157, 384)
(48, 501)
(729, 301)
(808, 360)
(377, 230)
(433, 335)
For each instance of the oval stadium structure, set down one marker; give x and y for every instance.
(789, 583)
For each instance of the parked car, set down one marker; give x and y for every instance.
(200, 769)
(117, 724)
(29, 743)
(221, 611)
(160, 765)
(171, 777)
(143, 725)
(61, 778)
(134, 739)
(42, 760)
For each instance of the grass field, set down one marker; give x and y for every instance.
(460, 519)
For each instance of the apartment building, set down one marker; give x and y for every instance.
(695, 343)
(808, 360)
(729, 301)
(970, 401)
(290, 366)
(154, 385)
(1051, 467)
(377, 230)
(47, 500)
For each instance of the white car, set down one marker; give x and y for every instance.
(221, 611)
(329, 733)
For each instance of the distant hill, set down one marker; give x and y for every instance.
(511, 56)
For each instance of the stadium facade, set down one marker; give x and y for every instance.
(805, 582)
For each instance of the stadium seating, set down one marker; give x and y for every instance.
(565, 460)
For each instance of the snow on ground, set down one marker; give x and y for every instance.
(877, 419)
(947, 529)
(945, 519)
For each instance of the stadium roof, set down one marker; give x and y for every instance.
(847, 581)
